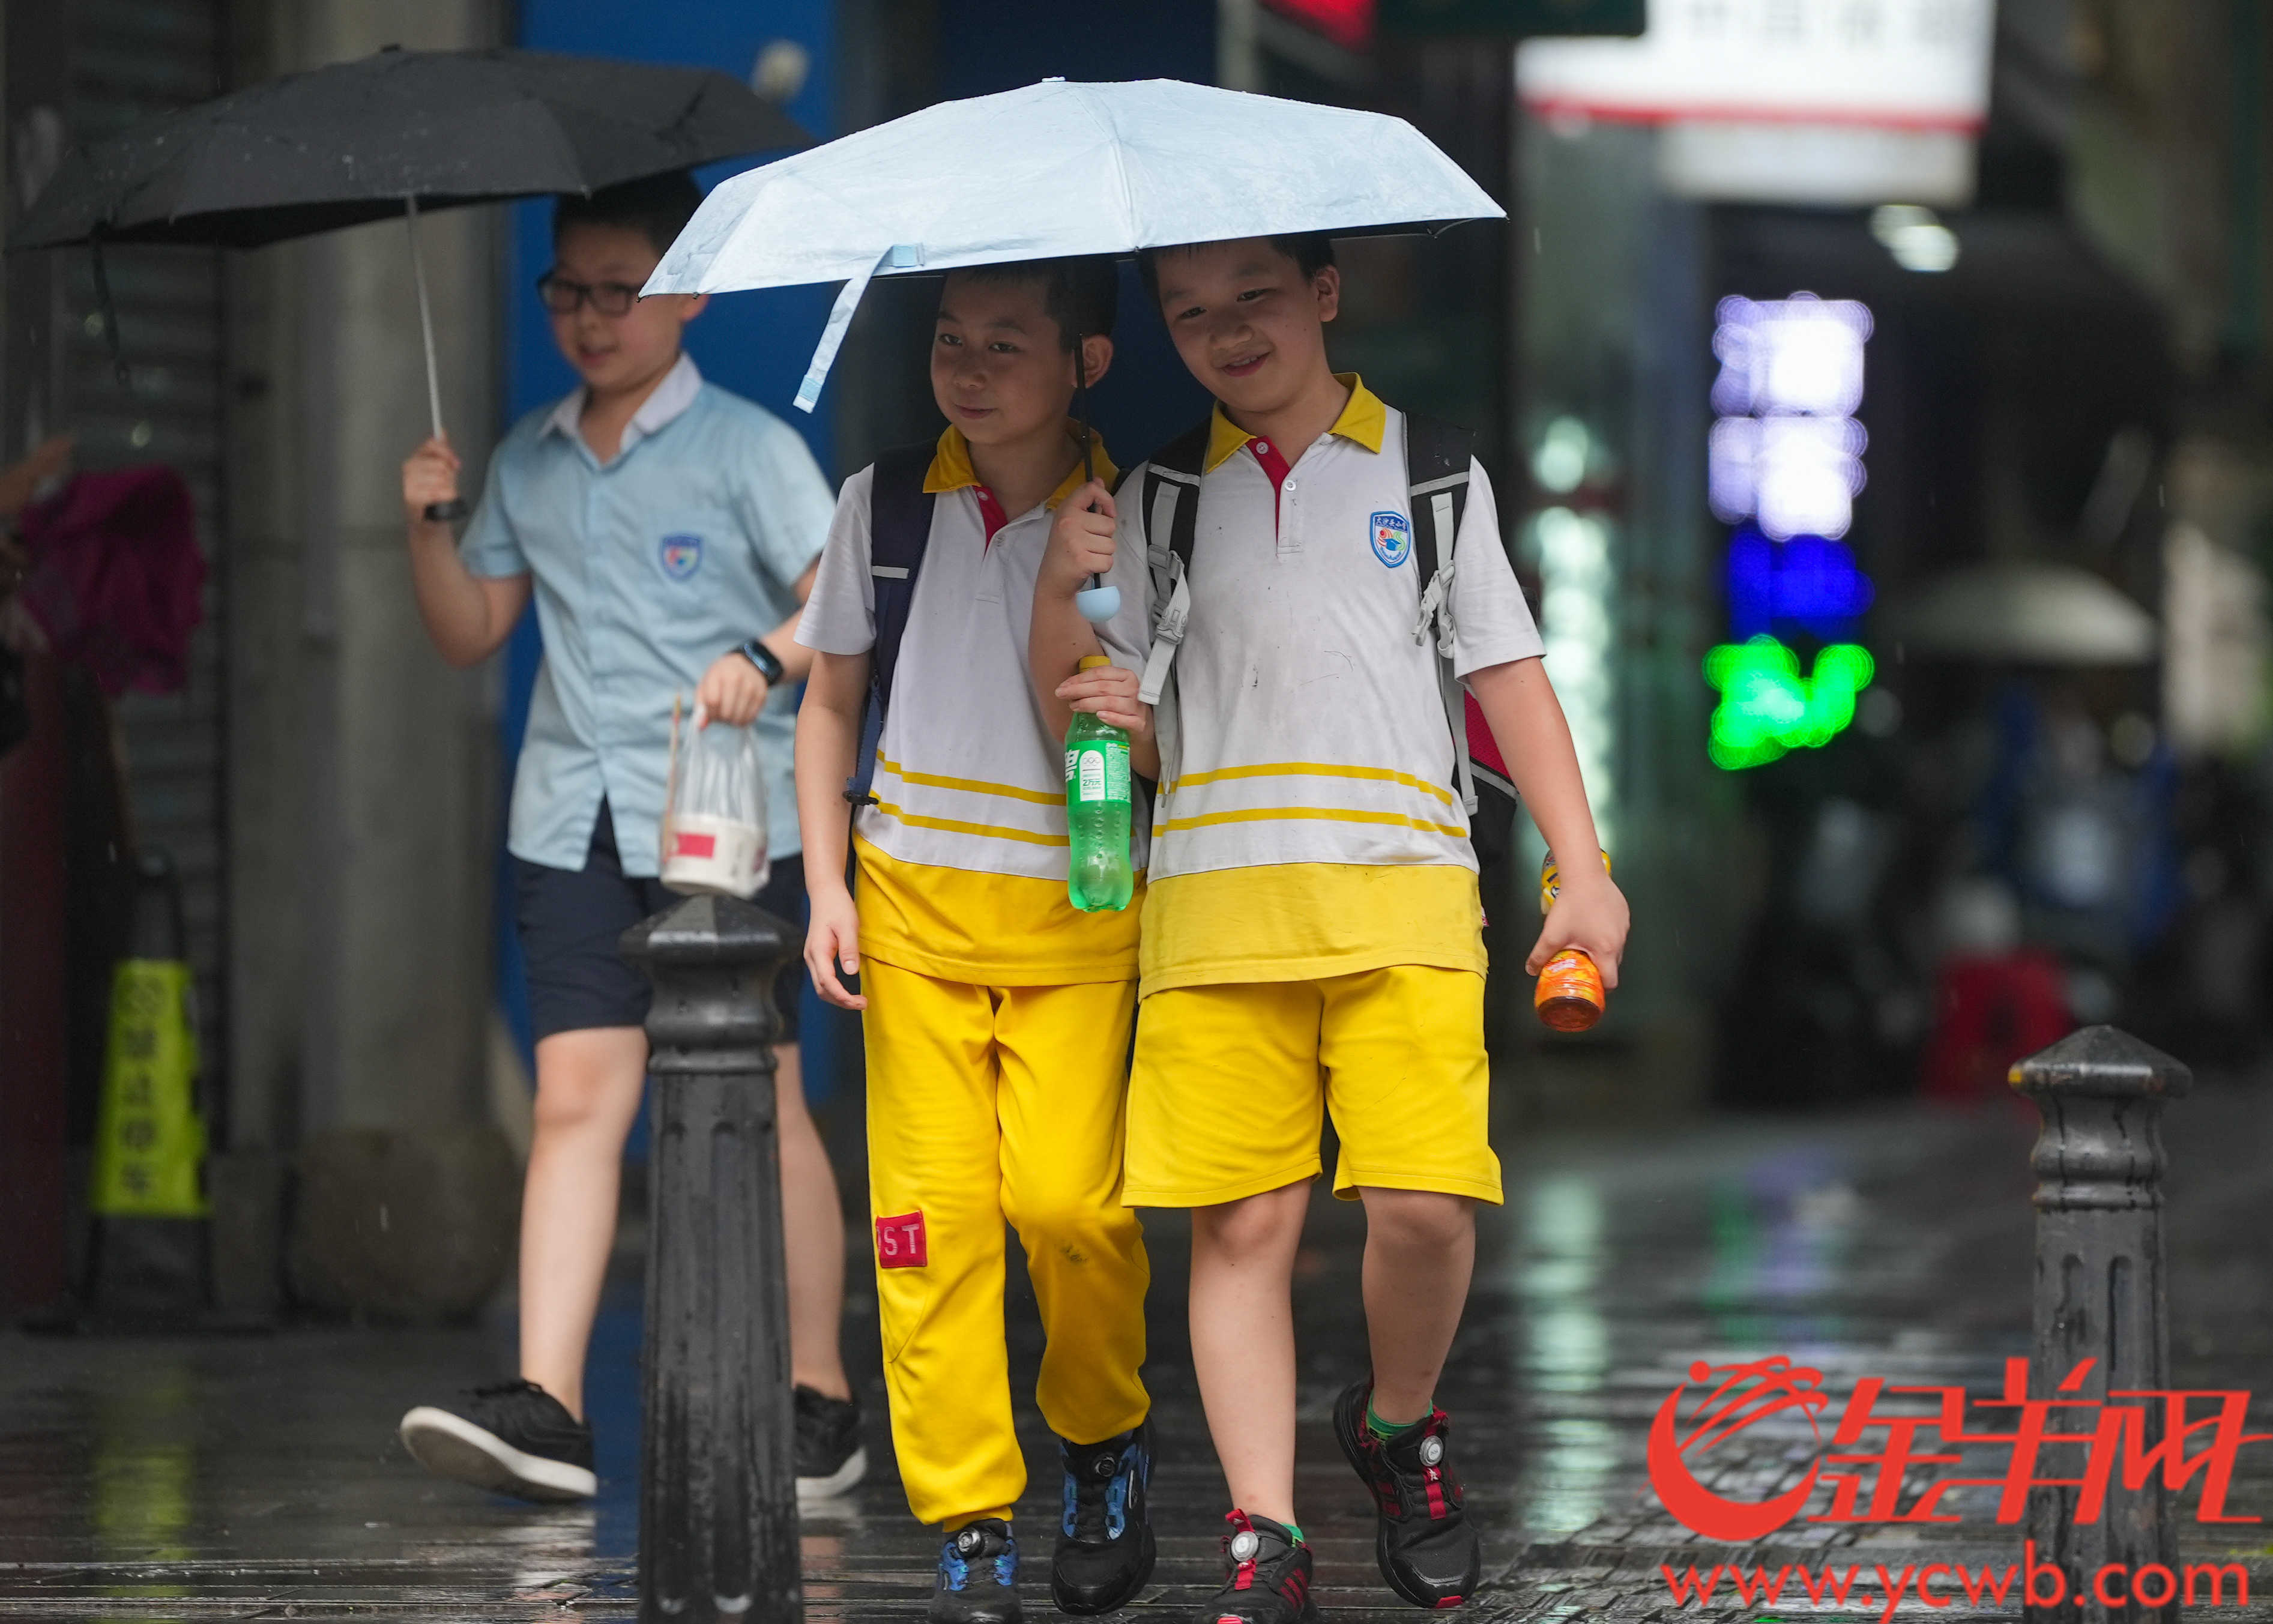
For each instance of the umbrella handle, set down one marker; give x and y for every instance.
(1097, 602)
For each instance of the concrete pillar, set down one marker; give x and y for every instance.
(361, 783)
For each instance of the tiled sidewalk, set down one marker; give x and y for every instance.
(259, 1477)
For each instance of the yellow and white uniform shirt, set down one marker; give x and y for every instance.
(1309, 821)
(962, 860)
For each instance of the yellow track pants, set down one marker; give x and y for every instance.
(988, 1105)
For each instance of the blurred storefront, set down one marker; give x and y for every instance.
(1892, 383)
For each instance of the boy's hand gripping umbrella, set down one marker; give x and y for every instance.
(391, 134)
(1059, 169)
(1097, 602)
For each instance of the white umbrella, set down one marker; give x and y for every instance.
(2026, 611)
(1059, 169)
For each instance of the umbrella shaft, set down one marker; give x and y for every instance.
(425, 315)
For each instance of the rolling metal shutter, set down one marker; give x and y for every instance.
(130, 60)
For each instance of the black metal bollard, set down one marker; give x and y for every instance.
(717, 1485)
(2099, 1295)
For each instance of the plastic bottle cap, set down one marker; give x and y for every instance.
(1090, 662)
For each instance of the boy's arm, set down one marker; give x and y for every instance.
(828, 741)
(467, 616)
(1059, 639)
(734, 690)
(1527, 721)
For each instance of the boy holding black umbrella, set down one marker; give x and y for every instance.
(669, 531)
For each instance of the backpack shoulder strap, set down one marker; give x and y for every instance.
(1436, 458)
(1436, 464)
(899, 529)
(1172, 510)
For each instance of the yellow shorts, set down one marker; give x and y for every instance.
(1225, 1098)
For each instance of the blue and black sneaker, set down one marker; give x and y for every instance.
(978, 1580)
(1105, 1546)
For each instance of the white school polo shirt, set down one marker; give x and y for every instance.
(963, 860)
(1305, 747)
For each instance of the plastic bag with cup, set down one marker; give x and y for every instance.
(714, 818)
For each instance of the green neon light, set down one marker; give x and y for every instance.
(1768, 708)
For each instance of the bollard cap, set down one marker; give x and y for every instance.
(2103, 1062)
(709, 930)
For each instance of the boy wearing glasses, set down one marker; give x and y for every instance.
(670, 532)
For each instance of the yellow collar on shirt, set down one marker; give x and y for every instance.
(951, 469)
(1364, 420)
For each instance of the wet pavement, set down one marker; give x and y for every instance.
(240, 1477)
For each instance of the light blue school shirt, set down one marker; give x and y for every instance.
(647, 567)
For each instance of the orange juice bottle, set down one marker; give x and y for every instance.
(1570, 996)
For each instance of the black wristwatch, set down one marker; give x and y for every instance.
(766, 660)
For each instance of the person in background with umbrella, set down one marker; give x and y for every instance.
(670, 532)
(1312, 930)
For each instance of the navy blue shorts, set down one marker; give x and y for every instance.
(570, 923)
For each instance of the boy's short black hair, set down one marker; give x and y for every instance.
(657, 206)
(1311, 251)
(1082, 295)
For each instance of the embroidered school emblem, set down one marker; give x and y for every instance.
(1392, 537)
(682, 556)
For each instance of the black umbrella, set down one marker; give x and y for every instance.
(390, 134)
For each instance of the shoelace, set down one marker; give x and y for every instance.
(1242, 1576)
(1432, 1472)
(1092, 1481)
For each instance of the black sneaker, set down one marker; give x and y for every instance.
(1425, 1544)
(1104, 1544)
(830, 1458)
(514, 1438)
(1268, 1581)
(978, 1580)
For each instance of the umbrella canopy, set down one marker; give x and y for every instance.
(2032, 613)
(1060, 168)
(383, 136)
(349, 143)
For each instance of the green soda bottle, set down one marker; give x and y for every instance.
(1097, 809)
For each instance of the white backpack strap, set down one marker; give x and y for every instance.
(1174, 496)
(1168, 633)
(1438, 494)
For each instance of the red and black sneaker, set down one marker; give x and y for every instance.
(1425, 1544)
(1269, 1576)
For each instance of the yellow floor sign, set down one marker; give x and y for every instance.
(149, 1140)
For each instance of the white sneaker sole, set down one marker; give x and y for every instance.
(452, 1446)
(855, 1468)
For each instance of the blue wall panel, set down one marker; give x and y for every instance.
(756, 344)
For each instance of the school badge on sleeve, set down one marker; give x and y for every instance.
(1392, 537)
(682, 555)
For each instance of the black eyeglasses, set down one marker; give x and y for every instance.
(561, 296)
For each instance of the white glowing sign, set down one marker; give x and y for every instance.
(1787, 450)
(1898, 64)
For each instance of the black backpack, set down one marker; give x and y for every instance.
(899, 529)
(1436, 463)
